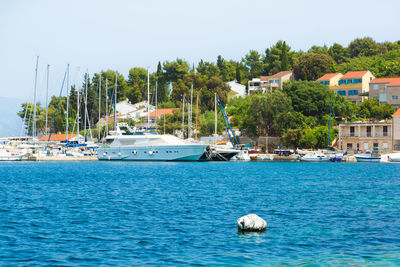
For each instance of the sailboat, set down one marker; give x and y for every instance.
(143, 145)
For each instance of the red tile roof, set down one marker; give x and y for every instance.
(389, 81)
(264, 78)
(162, 111)
(57, 137)
(280, 74)
(397, 113)
(328, 76)
(354, 74)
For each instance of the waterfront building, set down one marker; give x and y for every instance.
(386, 90)
(396, 130)
(362, 136)
(126, 110)
(354, 85)
(265, 83)
(161, 112)
(330, 79)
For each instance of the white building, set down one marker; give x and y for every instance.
(265, 83)
(237, 88)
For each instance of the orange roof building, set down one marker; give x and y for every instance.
(265, 83)
(386, 90)
(354, 85)
(330, 79)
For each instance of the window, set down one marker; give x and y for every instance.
(395, 97)
(351, 130)
(365, 146)
(376, 86)
(382, 97)
(349, 146)
(376, 145)
(277, 81)
(385, 131)
(353, 92)
(369, 131)
(385, 145)
(341, 92)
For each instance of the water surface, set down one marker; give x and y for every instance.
(128, 213)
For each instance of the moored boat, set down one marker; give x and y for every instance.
(369, 156)
(316, 156)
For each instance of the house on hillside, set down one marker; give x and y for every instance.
(265, 83)
(354, 85)
(385, 90)
(396, 130)
(330, 79)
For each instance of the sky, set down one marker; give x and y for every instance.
(97, 35)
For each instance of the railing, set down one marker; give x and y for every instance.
(378, 134)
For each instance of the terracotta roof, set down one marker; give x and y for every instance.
(397, 113)
(57, 137)
(389, 81)
(280, 74)
(264, 78)
(328, 76)
(354, 74)
(162, 111)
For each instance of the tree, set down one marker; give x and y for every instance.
(365, 47)
(253, 63)
(175, 70)
(311, 66)
(319, 49)
(314, 99)
(277, 58)
(338, 53)
(137, 82)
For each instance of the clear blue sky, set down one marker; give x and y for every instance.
(121, 34)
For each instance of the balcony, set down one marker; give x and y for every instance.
(365, 134)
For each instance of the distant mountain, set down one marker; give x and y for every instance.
(10, 122)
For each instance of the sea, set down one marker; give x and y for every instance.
(185, 213)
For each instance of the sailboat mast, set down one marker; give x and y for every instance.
(115, 101)
(156, 106)
(215, 101)
(183, 116)
(77, 112)
(66, 128)
(197, 112)
(98, 139)
(191, 111)
(329, 128)
(34, 99)
(106, 107)
(148, 100)
(47, 97)
(86, 85)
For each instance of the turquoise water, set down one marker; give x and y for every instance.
(127, 213)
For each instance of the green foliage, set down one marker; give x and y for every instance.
(253, 63)
(311, 66)
(277, 58)
(372, 109)
(365, 47)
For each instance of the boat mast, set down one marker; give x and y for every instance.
(34, 99)
(106, 107)
(66, 129)
(329, 129)
(148, 100)
(183, 116)
(77, 113)
(115, 101)
(191, 111)
(86, 85)
(197, 111)
(47, 97)
(156, 106)
(215, 101)
(98, 139)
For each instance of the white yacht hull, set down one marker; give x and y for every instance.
(153, 153)
(325, 159)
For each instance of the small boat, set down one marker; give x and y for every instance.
(394, 157)
(223, 151)
(315, 157)
(368, 156)
(243, 155)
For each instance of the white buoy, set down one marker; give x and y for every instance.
(251, 223)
